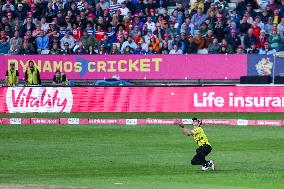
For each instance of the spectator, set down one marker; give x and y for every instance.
(175, 50)
(177, 41)
(150, 24)
(165, 48)
(150, 5)
(111, 34)
(66, 49)
(187, 27)
(12, 76)
(17, 41)
(244, 25)
(203, 30)
(219, 28)
(223, 49)
(228, 46)
(139, 6)
(80, 49)
(255, 29)
(77, 32)
(155, 42)
(265, 49)
(280, 28)
(44, 25)
(259, 23)
(91, 50)
(4, 45)
(262, 39)
(55, 50)
(26, 49)
(20, 12)
(13, 50)
(199, 41)
(264, 16)
(59, 79)
(89, 40)
(32, 76)
(130, 43)
(274, 40)
(253, 49)
(249, 39)
(222, 5)
(53, 34)
(214, 48)
(235, 17)
(106, 43)
(212, 9)
(29, 25)
(123, 9)
(269, 25)
(198, 19)
(282, 9)
(114, 6)
(114, 49)
(104, 4)
(234, 40)
(198, 3)
(209, 37)
(139, 49)
(42, 42)
(240, 50)
(67, 39)
(99, 33)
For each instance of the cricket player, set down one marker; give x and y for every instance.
(204, 146)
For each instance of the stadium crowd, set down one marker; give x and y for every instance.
(140, 27)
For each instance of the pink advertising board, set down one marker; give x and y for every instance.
(132, 66)
(141, 99)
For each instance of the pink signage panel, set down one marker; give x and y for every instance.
(141, 99)
(132, 66)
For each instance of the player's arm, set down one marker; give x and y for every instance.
(184, 130)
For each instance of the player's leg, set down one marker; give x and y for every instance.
(199, 159)
(206, 150)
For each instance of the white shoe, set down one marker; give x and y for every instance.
(204, 168)
(212, 164)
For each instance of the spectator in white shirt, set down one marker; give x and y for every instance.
(104, 4)
(175, 50)
(124, 10)
(130, 43)
(44, 25)
(280, 28)
(67, 39)
(150, 24)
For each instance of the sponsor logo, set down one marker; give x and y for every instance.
(131, 121)
(264, 66)
(73, 121)
(187, 121)
(44, 121)
(39, 99)
(15, 121)
(103, 121)
(242, 122)
(160, 121)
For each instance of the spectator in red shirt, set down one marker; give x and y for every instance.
(99, 33)
(255, 29)
(263, 38)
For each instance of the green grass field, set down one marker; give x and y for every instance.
(141, 157)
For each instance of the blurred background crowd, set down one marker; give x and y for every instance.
(141, 26)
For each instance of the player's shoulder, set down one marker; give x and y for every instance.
(197, 130)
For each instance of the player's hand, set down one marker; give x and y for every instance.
(180, 124)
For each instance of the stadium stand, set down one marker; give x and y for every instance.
(140, 26)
